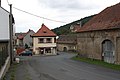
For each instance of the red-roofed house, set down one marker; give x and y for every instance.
(24, 38)
(28, 39)
(99, 38)
(19, 39)
(44, 41)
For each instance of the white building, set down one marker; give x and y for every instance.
(4, 24)
(4, 41)
(44, 41)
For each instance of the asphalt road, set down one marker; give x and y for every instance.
(61, 67)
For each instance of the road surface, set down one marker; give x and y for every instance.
(61, 67)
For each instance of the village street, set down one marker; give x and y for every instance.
(31, 35)
(61, 67)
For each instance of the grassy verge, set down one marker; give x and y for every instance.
(97, 62)
(10, 75)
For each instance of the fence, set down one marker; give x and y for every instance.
(3, 53)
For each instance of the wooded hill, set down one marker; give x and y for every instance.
(65, 29)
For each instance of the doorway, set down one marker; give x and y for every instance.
(41, 51)
(108, 51)
(65, 49)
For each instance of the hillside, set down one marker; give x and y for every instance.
(65, 29)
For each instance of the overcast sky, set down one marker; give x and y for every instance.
(60, 10)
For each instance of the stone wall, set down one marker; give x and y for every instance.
(67, 42)
(4, 58)
(69, 47)
(118, 50)
(89, 44)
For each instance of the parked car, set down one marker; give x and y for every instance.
(26, 53)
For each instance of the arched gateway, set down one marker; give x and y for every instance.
(108, 51)
(65, 49)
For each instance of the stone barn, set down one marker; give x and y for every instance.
(100, 37)
(67, 42)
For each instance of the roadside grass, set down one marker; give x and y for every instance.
(14, 71)
(11, 72)
(97, 62)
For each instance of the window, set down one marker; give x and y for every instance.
(49, 40)
(44, 31)
(40, 40)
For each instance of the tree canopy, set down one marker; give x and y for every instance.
(65, 29)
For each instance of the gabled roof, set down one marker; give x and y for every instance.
(107, 19)
(20, 35)
(44, 32)
(29, 32)
(70, 38)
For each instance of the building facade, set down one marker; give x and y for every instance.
(28, 39)
(100, 37)
(103, 45)
(19, 39)
(67, 42)
(4, 41)
(44, 41)
(24, 38)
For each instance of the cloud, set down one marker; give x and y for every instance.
(60, 10)
(67, 4)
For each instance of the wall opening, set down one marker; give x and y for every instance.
(108, 51)
(65, 49)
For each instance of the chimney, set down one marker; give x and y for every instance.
(80, 23)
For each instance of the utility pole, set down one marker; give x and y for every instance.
(0, 3)
(11, 34)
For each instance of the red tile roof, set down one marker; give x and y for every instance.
(107, 19)
(20, 35)
(44, 32)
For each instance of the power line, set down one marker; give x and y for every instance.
(37, 15)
